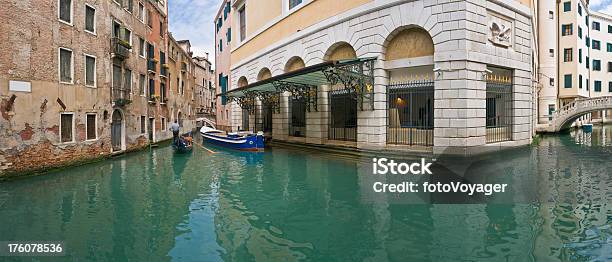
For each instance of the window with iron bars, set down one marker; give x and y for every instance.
(499, 108)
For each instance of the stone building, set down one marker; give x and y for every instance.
(80, 80)
(575, 56)
(205, 87)
(431, 76)
(223, 46)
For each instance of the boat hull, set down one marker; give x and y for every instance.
(243, 143)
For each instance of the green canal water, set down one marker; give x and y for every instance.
(289, 205)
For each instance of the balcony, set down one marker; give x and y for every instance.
(164, 70)
(183, 67)
(120, 49)
(152, 65)
(121, 96)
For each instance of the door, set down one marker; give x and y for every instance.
(151, 125)
(116, 135)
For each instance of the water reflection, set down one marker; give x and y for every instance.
(290, 205)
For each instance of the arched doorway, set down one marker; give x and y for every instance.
(117, 131)
(263, 114)
(297, 105)
(410, 94)
(342, 102)
(242, 82)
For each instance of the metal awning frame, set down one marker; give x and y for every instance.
(356, 76)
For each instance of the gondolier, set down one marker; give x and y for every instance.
(175, 128)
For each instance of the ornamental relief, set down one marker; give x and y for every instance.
(500, 30)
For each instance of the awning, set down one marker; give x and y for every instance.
(354, 75)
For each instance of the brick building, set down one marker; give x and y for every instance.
(81, 80)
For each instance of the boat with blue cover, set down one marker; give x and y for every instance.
(240, 141)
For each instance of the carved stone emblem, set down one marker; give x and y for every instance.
(500, 31)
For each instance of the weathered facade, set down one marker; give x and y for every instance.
(448, 77)
(78, 80)
(205, 88)
(223, 79)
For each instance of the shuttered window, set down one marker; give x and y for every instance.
(65, 58)
(90, 71)
(91, 127)
(90, 19)
(66, 128)
(65, 10)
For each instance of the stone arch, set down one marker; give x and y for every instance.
(294, 63)
(264, 74)
(408, 42)
(242, 81)
(340, 51)
(118, 132)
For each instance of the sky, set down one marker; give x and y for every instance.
(193, 20)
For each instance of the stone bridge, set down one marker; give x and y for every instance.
(565, 116)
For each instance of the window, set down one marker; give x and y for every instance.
(226, 10)
(596, 26)
(219, 24)
(116, 29)
(242, 15)
(596, 65)
(596, 45)
(551, 52)
(567, 55)
(580, 81)
(149, 18)
(151, 89)
(65, 65)
(609, 47)
(127, 36)
(161, 29)
(141, 47)
(228, 35)
(550, 15)
(586, 20)
(568, 81)
(588, 63)
(90, 70)
(294, 3)
(587, 84)
(579, 9)
(65, 11)
(91, 127)
(588, 41)
(597, 86)
(116, 77)
(609, 67)
(610, 86)
(141, 84)
(163, 123)
(130, 5)
(567, 29)
(580, 32)
(143, 124)
(567, 6)
(580, 56)
(610, 29)
(90, 19)
(127, 80)
(220, 45)
(141, 12)
(66, 127)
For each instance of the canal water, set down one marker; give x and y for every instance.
(292, 205)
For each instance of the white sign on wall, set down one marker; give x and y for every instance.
(20, 86)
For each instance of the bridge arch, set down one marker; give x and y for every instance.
(566, 115)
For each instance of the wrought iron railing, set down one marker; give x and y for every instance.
(121, 96)
(410, 113)
(120, 48)
(499, 109)
(152, 65)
